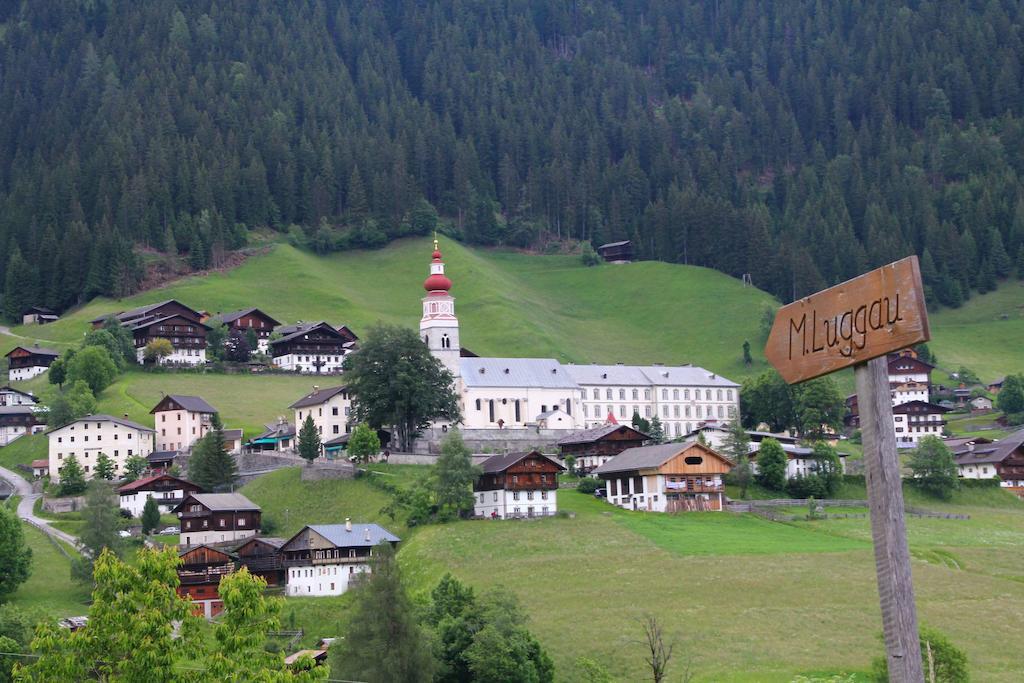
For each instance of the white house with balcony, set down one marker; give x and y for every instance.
(327, 559)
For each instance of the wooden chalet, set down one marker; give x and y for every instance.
(17, 421)
(250, 319)
(616, 252)
(37, 315)
(187, 336)
(25, 362)
(595, 446)
(915, 420)
(671, 477)
(217, 517)
(199, 574)
(979, 458)
(311, 347)
(169, 492)
(327, 559)
(261, 555)
(164, 309)
(517, 485)
(9, 396)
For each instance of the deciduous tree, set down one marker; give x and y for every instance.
(15, 555)
(156, 350)
(397, 382)
(72, 477)
(70, 404)
(933, 467)
(454, 475)
(104, 467)
(363, 443)
(93, 366)
(1010, 398)
(134, 466)
(771, 465)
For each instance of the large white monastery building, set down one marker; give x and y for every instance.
(515, 393)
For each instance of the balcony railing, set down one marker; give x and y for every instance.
(211, 575)
(312, 561)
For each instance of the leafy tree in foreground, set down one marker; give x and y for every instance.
(150, 516)
(102, 522)
(72, 477)
(309, 440)
(830, 468)
(93, 366)
(397, 382)
(454, 475)
(384, 644)
(771, 465)
(504, 650)
(15, 555)
(156, 350)
(933, 467)
(364, 443)
(105, 340)
(134, 466)
(104, 468)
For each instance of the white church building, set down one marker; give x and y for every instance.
(520, 393)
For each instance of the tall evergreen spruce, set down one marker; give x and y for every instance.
(384, 642)
(309, 440)
(211, 465)
(102, 522)
(150, 516)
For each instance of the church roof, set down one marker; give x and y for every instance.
(543, 373)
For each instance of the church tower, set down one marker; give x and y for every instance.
(439, 327)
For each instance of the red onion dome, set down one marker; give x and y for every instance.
(437, 255)
(437, 283)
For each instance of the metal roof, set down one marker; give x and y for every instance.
(193, 404)
(318, 396)
(993, 453)
(647, 375)
(341, 537)
(232, 316)
(38, 350)
(223, 501)
(596, 433)
(643, 457)
(617, 375)
(105, 418)
(542, 373)
(500, 463)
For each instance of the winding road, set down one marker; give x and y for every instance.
(27, 504)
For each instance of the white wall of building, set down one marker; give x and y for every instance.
(135, 501)
(330, 417)
(14, 398)
(11, 432)
(177, 430)
(307, 363)
(532, 402)
(507, 504)
(680, 408)
(177, 357)
(323, 579)
(910, 429)
(977, 471)
(22, 374)
(214, 535)
(86, 439)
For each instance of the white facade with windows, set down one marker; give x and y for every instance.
(682, 397)
(13, 397)
(505, 504)
(323, 579)
(309, 363)
(178, 356)
(89, 436)
(330, 409)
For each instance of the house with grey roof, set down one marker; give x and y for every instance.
(181, 421)
(980, 458)
(669, 477)
(87, 437)
(329, 408)
(328, 559)
(217, 518)
(513, 485)
(25, 362)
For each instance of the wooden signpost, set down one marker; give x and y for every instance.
(857, 323)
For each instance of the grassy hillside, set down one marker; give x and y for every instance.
(985, 335)
(786, 599)
(509, 303)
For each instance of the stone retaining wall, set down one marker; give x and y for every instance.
(493, 441)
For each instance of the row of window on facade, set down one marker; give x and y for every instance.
(320, 571)
(515, 496)
(334, 411)
(721, 395)
(60, 456)
(676, 411)
(223, 523)
(316, 359)
(99, 437)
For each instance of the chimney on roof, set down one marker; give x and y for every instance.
(316, 389)
(506, 371)
(970, 447)
(348, 524)
(367, 534)
(714, 376)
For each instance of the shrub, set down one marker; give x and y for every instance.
(948, 663)
(588, 485)
(809, 486)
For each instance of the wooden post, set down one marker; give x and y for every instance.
(888, 526)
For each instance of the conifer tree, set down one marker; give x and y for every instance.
(657, 433)
(104, 468)
(72, 477)
(454, 475)
(309, 440)
(150, 516)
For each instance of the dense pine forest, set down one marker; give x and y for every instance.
(800, 141)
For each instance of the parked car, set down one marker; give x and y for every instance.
(125, 533)
(170, 530)
(599, 493)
